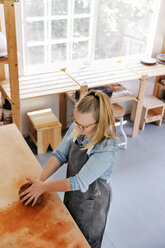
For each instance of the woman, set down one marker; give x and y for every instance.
(90, 148)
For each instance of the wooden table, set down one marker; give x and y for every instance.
(48, 225)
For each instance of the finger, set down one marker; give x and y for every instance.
(34, 201)
(29, 200)
(25, 197)
(29, 179)
(24, 192)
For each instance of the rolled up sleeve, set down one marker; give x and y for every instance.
(62, 152)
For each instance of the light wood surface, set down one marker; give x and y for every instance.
(48, 225)
(42, 118)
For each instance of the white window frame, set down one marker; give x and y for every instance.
(48, 41)
(20, 22)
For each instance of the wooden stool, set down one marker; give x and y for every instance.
(45, 129)
(153, 111)
(118, 113)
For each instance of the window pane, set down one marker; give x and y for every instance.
(59, 29)
(59, 7)
(81, 27)
(82, 6)
(36, 55)
(35, 31)
(122, 27)
(80, 50)
(58, 52)
(34, 8)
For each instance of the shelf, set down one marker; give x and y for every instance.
(153, 115)
(123, 98)
(3, 60)
(121, 94)
(114, 99)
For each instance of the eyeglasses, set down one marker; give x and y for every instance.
(82, 127)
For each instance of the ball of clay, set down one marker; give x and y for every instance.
(23, 188)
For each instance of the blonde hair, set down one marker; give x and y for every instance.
(97, 103)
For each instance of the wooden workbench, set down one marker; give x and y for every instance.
(103, 73)
(48, 225)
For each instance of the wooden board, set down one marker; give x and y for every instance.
(41, 86)
(48, 225)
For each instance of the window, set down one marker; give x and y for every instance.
(58, 31)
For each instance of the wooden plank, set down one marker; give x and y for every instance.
(40, 91)
(5, 94)
(106, 75)
(2, 72)
(42, 86)
(47, 225)
(151, 102)
(12, 59)
(123, 98)
(3, 60)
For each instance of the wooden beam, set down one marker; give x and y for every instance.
(139, 105)
(12, 59)
(62, 102)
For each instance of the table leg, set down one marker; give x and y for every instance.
(62, 109)
(157, 86)
(139, 105)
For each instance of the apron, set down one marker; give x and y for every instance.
(88, 209)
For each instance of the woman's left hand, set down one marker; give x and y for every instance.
(33, 192)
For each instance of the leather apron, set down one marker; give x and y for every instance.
(88, 209)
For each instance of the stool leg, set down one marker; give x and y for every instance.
(123, 133)
(57, 137)
(40, 149)
(159, 122)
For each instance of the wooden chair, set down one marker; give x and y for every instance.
(118, 113)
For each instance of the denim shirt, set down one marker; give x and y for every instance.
(102, 159)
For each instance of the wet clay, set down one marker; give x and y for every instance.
(37, 227)
(23, 188)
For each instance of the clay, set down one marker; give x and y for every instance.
(23, 188)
